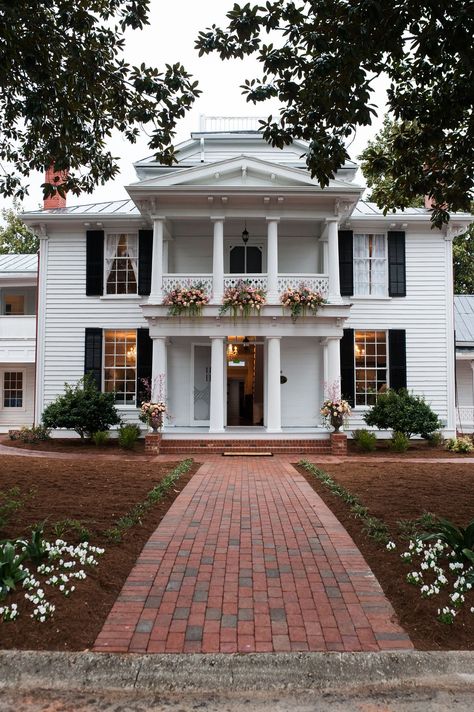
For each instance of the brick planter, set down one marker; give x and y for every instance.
(153, 443)
(338, 444)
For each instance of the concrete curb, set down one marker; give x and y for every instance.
(25, 670)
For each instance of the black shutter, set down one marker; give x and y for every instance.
(144, 358)
(346, 263)
(95, 263)
(347, 366)
(145, 251)
(93, 355)
(397, 358)
(396, 265)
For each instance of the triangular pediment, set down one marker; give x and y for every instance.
(242, 171)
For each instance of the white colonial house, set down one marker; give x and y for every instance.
(234, 208)
(18, 279)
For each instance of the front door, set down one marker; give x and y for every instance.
(201, 373)
(244, 382)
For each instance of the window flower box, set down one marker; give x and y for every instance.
(301, 301)
(186, 300)
(242, 299)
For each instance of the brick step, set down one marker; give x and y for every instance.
(157, 444)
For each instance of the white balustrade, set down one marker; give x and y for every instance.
(465, 417)
(315, 282)
(174, 281)
(259, 281)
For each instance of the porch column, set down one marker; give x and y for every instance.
(218, 260)
(158, 369)
(272, 260)
(332, 367)
(216, 420)
(334, 294)
(274, 385)
(156, 294)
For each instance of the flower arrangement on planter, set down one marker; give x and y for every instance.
(335, 412)
(301, 300)
(186, 300)
(242, 299)
(152, 414)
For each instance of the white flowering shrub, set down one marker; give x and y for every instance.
(439, 572)
(64, 564)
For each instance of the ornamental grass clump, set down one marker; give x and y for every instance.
(128, 435)
(301, 301)
(364, 440)
(243, 299)
(186, 300)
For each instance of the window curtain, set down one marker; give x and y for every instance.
(132, 250)
(378, 265)
(111, 243)
(361, 264)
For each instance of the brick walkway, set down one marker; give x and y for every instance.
(249, 558)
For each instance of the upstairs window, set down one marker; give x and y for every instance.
(120, 365)
(371, 364)
(370, 265)
(14, 304)
(121, 263)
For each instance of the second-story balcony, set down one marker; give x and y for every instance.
(316, 282)
(17, 338)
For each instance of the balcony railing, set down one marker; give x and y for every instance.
(18, 327)
(465, 418)
(315, 282)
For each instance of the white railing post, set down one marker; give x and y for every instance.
(218, 260)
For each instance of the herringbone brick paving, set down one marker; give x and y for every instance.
(250, 559)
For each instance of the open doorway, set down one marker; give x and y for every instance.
(245, 372)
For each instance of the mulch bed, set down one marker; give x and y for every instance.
(78, 446)
(394, 492)
(96, 492)
(418, 448)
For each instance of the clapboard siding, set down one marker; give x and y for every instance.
(464, 384)
(69, 311)
(422, 313)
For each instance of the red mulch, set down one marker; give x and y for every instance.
(78, 446)
(418, 448)
(393, 492)
(96, 492)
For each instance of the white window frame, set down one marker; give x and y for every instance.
(127, 295)
(354, 258)
(364, 406)
(130, 406)
(12, 409)
(256, 242)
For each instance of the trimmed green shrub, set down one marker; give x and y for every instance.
(82, 408)
(435, 439)
(36, 434)
(128, 435)
(399, 442)
(364, 440)
(101, 437)
(402, 412)
(461, 444)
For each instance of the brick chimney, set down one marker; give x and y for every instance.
(56, 178)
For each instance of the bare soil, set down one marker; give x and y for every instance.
(394, 492)
(96, 492)
(78, 446)
(418, 449)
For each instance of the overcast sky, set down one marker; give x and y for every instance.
(169, 38)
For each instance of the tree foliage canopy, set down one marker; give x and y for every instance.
(320, 60)
(65, 87)
(15, 237)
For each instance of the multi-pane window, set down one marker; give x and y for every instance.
(370, 355)
(120, 365)
(370, 265)
(121, 263)
(13, 389)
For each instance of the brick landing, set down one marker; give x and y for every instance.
(249, 558)
(300, 447)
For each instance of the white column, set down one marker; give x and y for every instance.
(156, 295)
(218, 260)
(274, 385)
(332, 363)
(166, 265)
(272, 260)
(334, 295)
(216, 424)
(158, 369)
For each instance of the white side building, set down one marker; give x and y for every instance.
(464, 321)
(18, 279)
(236, 208)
